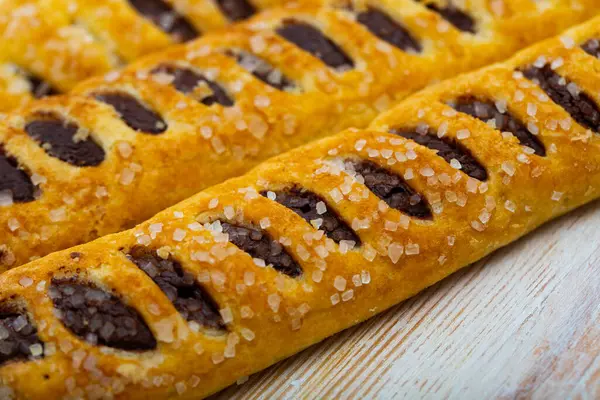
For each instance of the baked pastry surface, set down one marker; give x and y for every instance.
(58, 43)
(261, 266)
(131, 143)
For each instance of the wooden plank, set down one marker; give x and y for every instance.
(522, 323)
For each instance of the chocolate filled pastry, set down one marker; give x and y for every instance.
(311, 242)
(47, 46)
(123, 146)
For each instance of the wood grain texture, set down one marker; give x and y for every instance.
(522, 323)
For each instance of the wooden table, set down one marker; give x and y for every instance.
(521, 323)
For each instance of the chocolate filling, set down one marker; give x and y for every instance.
(304, 203)
(39, 87)
(186, 80)
(592, 47)
(236, 10)
(58, 138)
(99, 317)
(17, 336)
(455, 16)
(166, 18)
(259, 244)
(262, 70)
(310, 39)
(137, 116)
(504, 121)
(448, 149)
(391, 188)
(385, 28)
(15, 179)
(578, 104)
(180, 287)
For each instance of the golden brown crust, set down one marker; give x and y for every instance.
(204, 145)
(340, 285)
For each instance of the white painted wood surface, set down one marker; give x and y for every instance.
(522, 323)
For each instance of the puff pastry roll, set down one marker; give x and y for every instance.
(131, 143)
(257, 268)
(47, 46)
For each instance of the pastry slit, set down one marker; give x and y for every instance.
(18, 337)
(39, 87)
(385, 28)
(314, 210)
(391, 188)
(592, 47)
(166, 18)
(188, 81)
(99, 317)
(503, 121)
(449, 150)
(137, 116)
(312, 40)
(567, 95)
(262, 70)
(458, 18)
(259, 244)
(14, 182)
(59, 140)
(188, 297)
(236, 10)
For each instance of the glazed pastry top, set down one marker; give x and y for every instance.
(133, 142)
(259, 267)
